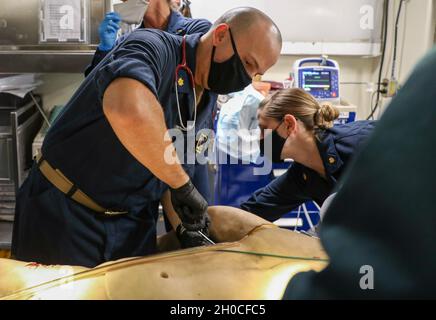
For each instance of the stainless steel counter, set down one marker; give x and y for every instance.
(45, 62)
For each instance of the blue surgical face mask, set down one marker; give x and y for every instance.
(228, 76)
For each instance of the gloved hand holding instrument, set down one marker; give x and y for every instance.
(192, 228)
(108, 30)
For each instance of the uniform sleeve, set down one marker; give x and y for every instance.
(142, 61)
(279, 197)
(198, 26)
(98, 56)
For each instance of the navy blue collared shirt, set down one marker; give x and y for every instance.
(82, 144)
(177, 24)
(300, 184)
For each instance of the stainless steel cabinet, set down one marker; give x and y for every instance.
(6, 162)
(21, 48)
(18, 128)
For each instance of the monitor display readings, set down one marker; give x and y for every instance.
(315, 81)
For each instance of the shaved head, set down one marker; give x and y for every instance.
(234, 34)
(245, 19)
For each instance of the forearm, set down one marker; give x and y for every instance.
(277, 198)
(139, 124)
(261, 206)
(168, 208)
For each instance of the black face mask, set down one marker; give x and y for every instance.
(228, 76)
(277, 143)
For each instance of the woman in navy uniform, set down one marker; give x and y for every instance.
(302, 130)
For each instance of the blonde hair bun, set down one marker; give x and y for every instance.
(325, 115)
(302, 105)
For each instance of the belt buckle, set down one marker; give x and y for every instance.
(114, 213)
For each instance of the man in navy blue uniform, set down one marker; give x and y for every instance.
(92, 195)
(159, 15)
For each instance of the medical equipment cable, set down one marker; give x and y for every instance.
(394, 59)
(372, 97)
(385, 32)
(270, 255)
(40, 110)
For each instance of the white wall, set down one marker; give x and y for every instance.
(313, 26)
(416, 36)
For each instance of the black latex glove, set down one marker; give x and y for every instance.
(190, 206)
(189, 239)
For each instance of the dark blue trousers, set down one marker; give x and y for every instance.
(51, 228)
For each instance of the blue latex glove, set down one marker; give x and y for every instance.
(108, 30)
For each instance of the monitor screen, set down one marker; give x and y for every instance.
(315, 81)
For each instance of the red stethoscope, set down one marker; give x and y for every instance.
(184, 66)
